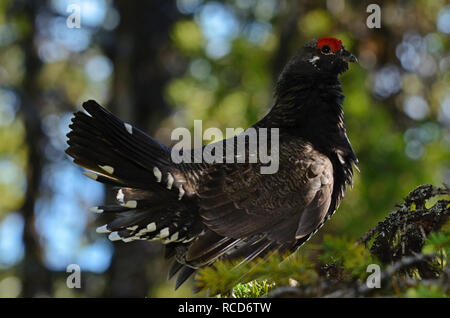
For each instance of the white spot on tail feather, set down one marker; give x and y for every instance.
(130, 204)
(164, 232)
(91, 175)
(102, 229)
(189, 239)
(95, 209)
(157, 174)
(108, 169)
(174, 237)
(170, 181)
(132, 228)
(129, 128)
(114, 236)
(142, 232)
(151, 227)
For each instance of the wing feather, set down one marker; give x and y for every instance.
(240, 203)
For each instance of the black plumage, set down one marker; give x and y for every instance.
(205, 212)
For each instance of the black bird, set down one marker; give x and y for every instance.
(204, 212)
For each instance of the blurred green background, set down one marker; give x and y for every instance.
(162, 64)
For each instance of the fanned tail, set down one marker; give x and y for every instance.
(153, 200)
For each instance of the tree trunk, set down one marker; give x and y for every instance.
(36, 277)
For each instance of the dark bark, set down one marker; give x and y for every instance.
(144, 61)
(36, 277)
(287, 29)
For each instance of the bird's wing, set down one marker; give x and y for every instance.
(267, 211)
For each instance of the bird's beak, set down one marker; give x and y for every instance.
(347, 56)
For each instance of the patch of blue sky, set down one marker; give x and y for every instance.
(62, 218)
(387, 81)
(11, 243)
(96, 257)
(258, 31)
(9, 104)
(219, 25)
(443, 20)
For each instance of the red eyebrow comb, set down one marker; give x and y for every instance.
(333, 43)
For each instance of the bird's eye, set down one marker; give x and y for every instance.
(326, 49)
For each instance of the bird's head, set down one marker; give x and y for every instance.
(323, 57)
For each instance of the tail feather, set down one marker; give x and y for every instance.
(104, 144)
(111, 165)
(184, 274)
(141, 147)
(209, 247)
(151, 200)
(174, 269)
(103, 178)
(109, 209)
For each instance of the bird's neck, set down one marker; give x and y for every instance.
(312, 110)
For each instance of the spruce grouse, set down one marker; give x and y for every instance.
(203, 212)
